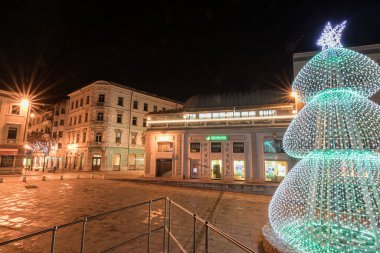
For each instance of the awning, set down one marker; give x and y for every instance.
(8, 151)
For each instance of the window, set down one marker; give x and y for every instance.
(60, 134)
(135, 104)
(195, 147)
(12, 133)
(7, 161)
(275, 171)
(101, 98)
(15, 109)
(59, 145)
(120, 101)
(75, 120)
(80, 119)
(164, 146)
(134, 138)
(87, 100)
(155, 108)
(78, 138)
(56, 112)
(98, 137)
(84, 136)
(273, 146)
(81, 102)
(163, 108)
(100, 116)
(71, 121)
(55, 123)
(86, 117)
(134, 121)
(216, 147)
(54, 134)
(238, 147)
(63, 111)
(72, 105)
(119, 118)
(144, 122)
(76, 104)
(145, 107)
(62, 122)
(118, 137)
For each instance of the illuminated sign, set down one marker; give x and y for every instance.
(164, 138)
(217, 138)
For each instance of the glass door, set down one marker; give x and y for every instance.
(216, 169)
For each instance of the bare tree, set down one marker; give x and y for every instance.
(41, 143)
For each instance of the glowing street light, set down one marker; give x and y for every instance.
(24, 103)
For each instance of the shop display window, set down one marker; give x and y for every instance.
(239, 169)
(165, 146)
(275, 171)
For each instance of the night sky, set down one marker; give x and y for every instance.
(171, 48)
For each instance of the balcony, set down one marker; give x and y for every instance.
(96, 144)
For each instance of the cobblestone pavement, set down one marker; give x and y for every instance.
(48, 203)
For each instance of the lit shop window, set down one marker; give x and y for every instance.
(275, 171)
(195, 147)
(239, 170)
(190, 116)
(266, 113)
(273, 146)
(205, 115)
(216, 169)
(165, 146)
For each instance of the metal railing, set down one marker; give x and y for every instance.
(167, 229)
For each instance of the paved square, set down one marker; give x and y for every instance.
(55, 202)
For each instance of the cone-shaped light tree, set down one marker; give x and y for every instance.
(330, 201)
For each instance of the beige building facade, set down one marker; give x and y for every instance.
(105, 127)
(13, 115)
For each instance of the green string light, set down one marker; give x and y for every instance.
(330, 201)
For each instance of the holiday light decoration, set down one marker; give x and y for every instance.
(330, 201)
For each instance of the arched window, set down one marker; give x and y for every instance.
(98, 137)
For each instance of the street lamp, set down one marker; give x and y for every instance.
(25, 104)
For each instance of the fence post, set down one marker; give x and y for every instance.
(169, 223)
(206, 243)
(53, 239)
(164, 242)
(83, 234)
(194, 231)
(150, 210)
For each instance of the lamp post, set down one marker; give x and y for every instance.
(24, 103)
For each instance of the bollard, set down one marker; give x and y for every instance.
(43, 178)
(24, 178)
(103, 176)
(1, 179)
(61, 177)
(92, 176)
(78, 176)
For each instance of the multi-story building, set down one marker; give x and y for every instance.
(228, 137)
(13, 115)
(105, 126)
(58, 154)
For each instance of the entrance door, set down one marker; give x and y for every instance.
(164, 167)
(194, 168)
(96, 162)
(216, 169)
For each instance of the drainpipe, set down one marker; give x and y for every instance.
(129, 128)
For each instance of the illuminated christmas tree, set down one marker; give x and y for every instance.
(330, 201)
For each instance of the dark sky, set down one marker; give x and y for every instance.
(172, 48)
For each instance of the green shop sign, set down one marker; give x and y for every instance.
(217, 138)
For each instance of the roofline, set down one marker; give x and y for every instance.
(210, 109)
(129, 88)
(361, 49)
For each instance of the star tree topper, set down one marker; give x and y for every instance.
(331, 36)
